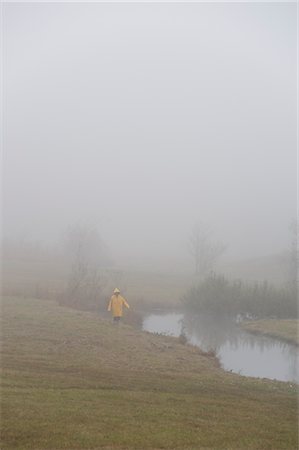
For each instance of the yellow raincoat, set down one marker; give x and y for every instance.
(116, 305)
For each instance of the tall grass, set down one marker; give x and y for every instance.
(217, 295)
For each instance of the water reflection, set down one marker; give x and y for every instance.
(237, 350)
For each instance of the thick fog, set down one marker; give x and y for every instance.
(141, 119)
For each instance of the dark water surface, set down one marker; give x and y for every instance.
(237, 350)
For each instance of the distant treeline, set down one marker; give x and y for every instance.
(217, 295)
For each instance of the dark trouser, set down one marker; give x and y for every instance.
(116, 319)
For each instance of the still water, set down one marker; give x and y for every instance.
(238, 351)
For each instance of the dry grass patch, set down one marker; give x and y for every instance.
(72, 380)
(277, 328)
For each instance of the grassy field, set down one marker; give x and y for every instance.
(282, 329)
(47, 280)
(46, 276)
(73, 380)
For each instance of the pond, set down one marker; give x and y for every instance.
(237, 350)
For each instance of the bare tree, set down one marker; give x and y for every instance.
(86, 254)
(205, 252)
(293, 258)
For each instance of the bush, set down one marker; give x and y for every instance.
(217, 295)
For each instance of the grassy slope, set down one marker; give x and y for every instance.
(73, 380)
(282, 329)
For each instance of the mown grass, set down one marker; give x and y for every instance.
(286, 329)
(71, 380)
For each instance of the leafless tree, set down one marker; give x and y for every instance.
(204, 251)
(85, 253)
(293, 258)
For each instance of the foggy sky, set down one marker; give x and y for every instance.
(141, 119)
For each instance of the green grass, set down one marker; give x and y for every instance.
(281, 329)
(71, 380)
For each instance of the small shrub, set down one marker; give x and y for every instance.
(183, 339)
